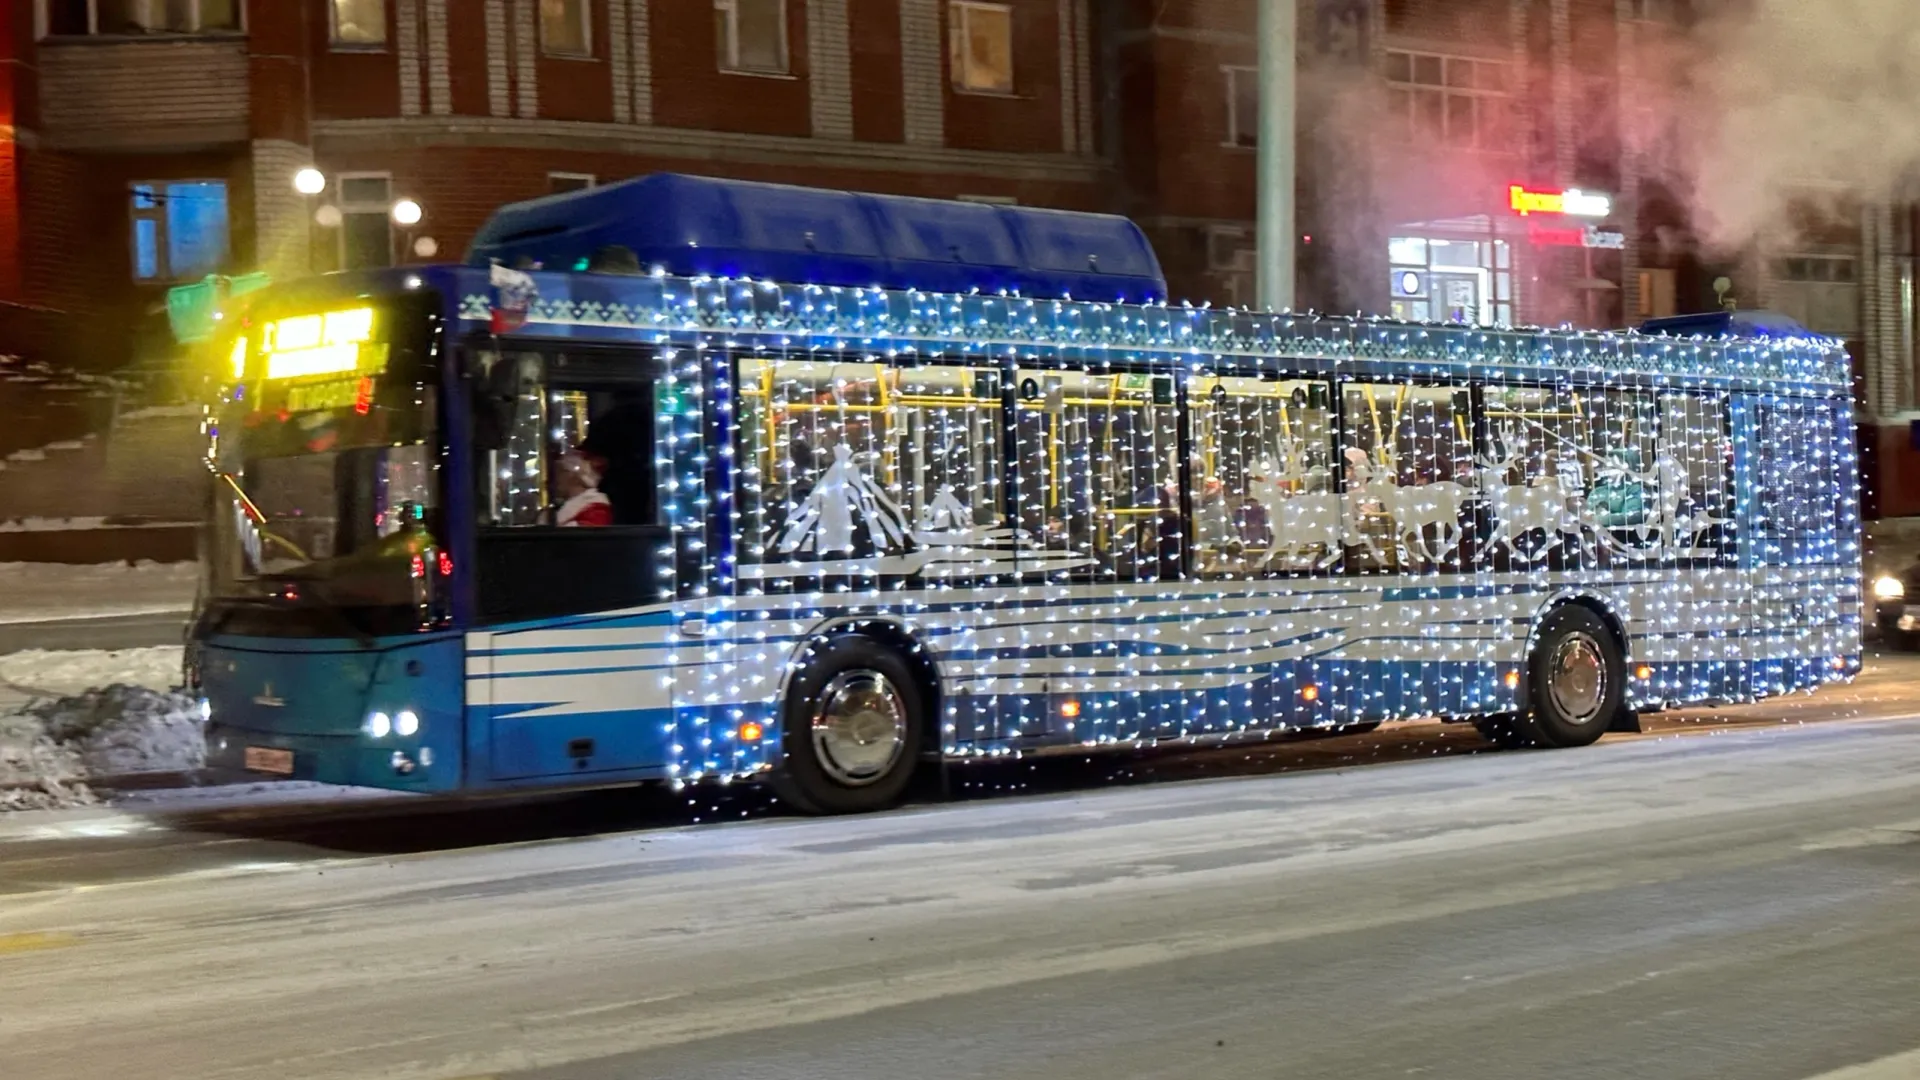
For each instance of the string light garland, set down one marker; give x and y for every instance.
(1095, 524)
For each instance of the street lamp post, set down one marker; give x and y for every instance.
(310, 182)
(1274, 232)
(407, 214)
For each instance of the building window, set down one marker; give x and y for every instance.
(1821, 291)
(1449, 99)
(366, 224)
(750, 36)
(560, 182)
(179, 229)
(566, 27)
(135, 18)
(989, 200)
(358, 23)
(1243, 106)
(981, 39)
(1835, 269)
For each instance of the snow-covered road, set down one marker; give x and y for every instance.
(1737, 905)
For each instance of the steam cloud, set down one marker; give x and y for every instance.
(1787, 98)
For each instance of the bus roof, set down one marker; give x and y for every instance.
(1770, 324)
(804, 317)
(694, 226)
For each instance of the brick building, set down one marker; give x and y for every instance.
(145, 142)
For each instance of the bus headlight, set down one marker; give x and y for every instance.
(1889, 588)
(379, 725)
(406, 722)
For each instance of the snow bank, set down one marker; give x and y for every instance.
(33, 592)
(36, 773)
(126, 729)
(77, 716)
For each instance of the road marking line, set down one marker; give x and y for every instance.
(1898, 1067)
(20, 943)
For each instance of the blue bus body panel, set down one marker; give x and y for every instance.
(313, 696)
(690, 226)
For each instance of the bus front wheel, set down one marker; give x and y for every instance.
(1576, 685)
(852, 729)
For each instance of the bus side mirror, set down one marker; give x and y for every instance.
(496, 400)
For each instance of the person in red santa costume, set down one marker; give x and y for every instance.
(577, 480)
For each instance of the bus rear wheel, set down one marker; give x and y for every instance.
(1576, 683)
(852, 729)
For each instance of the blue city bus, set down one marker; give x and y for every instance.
(887, 481)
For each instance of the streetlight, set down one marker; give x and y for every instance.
(1274, 167)
(310, 182)
(407, 214)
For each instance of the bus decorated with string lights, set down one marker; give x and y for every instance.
(689, 480)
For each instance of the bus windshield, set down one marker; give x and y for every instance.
(327, 503)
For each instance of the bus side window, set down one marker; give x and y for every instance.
(570, 512)
(1408, 485)
(1098, 460)
(1533, 471)
(1695, 474)
(1795, 518)
(1264, 497)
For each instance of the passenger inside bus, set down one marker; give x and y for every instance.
(577, 482)
(621, 437)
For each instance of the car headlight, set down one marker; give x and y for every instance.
(406, 722)
(379, 725)
(1889, 588)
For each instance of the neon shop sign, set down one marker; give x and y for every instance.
(1571, 202)
(1588, 237)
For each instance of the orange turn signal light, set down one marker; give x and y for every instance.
(751, 732)
(1069, 709)
(1513, 680)
(1643, 673)
(1310, 693)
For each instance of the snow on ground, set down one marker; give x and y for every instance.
(73, 524)
(66, 717)
(45, 673)
(34, 592)
(164, 412)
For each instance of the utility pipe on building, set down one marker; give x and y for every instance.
(1274, 236)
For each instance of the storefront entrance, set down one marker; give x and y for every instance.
(1440, 274)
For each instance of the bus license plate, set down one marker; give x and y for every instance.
(267, 760)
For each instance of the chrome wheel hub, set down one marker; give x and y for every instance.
(1577, 678)
(859, 727)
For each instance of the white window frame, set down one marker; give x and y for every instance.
(42, 20)
(158, 214)
(339, 182)
(1230, 75)
(588, 181)
(585, 10)
(730, 63)
(335, 44)
(1447, 93)
(957, 26)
